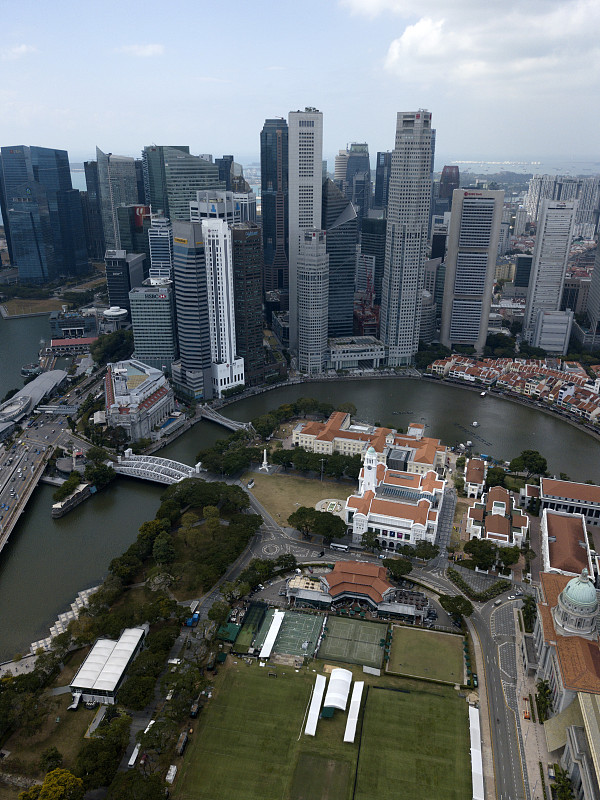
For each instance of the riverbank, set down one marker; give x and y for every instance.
(5, 314)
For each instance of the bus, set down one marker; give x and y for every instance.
(336, 546)
(134, 755)
(194, 606)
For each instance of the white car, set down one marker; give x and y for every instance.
(512, 596)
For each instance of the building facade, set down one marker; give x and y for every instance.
(153, 320)
(117, 186)
(138, 398)
(312, 271)
(160, 243)
(274, 204)
(340, 222)
(247, 252)
(124, 271)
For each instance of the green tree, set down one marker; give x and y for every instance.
(369, 541)
(97, 454)
(112, 347)
(397, 567)
(50, 759)
(99, 474)
(59, 784)
(459, 483)
(286, 561)
(426, 550)
(137, 691)
(530, 462)
(529, 612)
(329, 526)
(495, 477)
(303, 519)
(219, 612)
(456, 604)
(482, 552)
(163, 550)
(347, 408)
(132, 785)
(562, 784)
(460, 462)
(509, 555)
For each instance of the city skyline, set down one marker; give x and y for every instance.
(450, 59)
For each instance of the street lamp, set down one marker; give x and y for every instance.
(322, 465)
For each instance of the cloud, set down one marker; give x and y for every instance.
(18, 51)
(142, 50)
(527, 45)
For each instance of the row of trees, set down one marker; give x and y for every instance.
(333, 466)
(111, 347)
(484, 553)
(266, 424)
(321, 523)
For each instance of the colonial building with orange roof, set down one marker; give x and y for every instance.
(565, 545)
(475, 474)
(416, 452)
(498, 519)
(400, 507)
(138, 398)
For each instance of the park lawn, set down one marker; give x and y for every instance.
(414, 744)
(248, 742)
(9, 792)
(72, 663)
(66, 735)
(427, 654)
(32, 306)
(281, 495)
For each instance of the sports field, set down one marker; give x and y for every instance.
(252, 622)
(296, 629)
(414, 744)
(353, 641)
(427, 654)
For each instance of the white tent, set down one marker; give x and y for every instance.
(338, 689)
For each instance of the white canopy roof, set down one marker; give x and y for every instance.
(107, 661)
(338, 689)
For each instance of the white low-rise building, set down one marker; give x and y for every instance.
(399, 507)
(497, 518)
(138, 398)
(475, 474)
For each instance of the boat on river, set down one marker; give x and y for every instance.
(475, 424)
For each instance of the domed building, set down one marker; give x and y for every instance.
(577, 608)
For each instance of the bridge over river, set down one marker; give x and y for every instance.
(152, 468)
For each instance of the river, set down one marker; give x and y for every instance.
(48, 561)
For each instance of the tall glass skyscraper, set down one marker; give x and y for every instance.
(117, 184)
(274, 203)
(42, 213)
(340, 222)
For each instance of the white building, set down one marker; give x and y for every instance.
(399, 507)
(552, 246)
(153, 321)
(552, 330)
(475, 474)
(227, 368)
(406, 236)
(313, 301)
(498, 519)
(305, 180)
(138, 398)
(470, 266)
(231, 206)
(160, 239)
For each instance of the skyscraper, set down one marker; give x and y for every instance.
(406, 237)
(313, 301)
(470, 266)
(247, 298)
(160, 241)
(358, 178)
(383, 169)
(42, 214)
(124, 271)
(449, 181)
(225, 166)
(92, 214)
(305, 180)
(217, 204)
(117, 186)
(550, 256)
(340, 222)
(134, 225)
(274, 204)
(372, 243)
(153, 321)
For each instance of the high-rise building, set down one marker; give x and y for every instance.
(340, 166)
(340, 222)
(229, 206)
(383, 170)
(227, 368)
(42, 214)
(172, 176)
(124, 271)
(274, 204)
(593, 305)
(153, 321)
(192, 373)
(406, 239)
(160, 241)
(225, 165)
(139, 182)
(305, 154)
(470, 266)
(117, 185)
(550, 256)
(372, 242)
(134, 225)
(313, 301)
(92, 214)
(358, 178)
(449, 181)
(247, 252)
(523, 270)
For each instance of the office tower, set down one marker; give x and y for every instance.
(192, 372)
(340, 222)
(372, 242)
(153, 320)
(353, 176)
(229, 206)
(449, 181)
(160, 241)
(225, 166)
(172, 176)
(139, 182)
(274, 204)
(552, 245)
(593, 305)
(520, 221)
(124, 271)
(340, 166)
(470, 267)
(576, 289)
(427, 328)
(313, 301)
(117, 184)
(247, 250)
(42, 214)
(541, 187)
(439, 234)
(552, 330)
(227, 368)
(305, 131)
(523, 270)
(504, 239)
(383, 170)
(406, 238)
(588, 208)
(92, 214)
(134, 225)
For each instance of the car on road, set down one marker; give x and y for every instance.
(512, 596)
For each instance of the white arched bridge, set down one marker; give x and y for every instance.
(151, 468)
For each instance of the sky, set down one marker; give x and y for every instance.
(510, 80)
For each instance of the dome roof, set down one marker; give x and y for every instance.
(581, 591)
(371, 451)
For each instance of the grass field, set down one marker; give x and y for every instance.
(17, 306)
(281, 495)
(414, 745)
(353, 642)
(427, 654)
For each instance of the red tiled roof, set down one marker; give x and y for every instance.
(366, 579)
(583, 492)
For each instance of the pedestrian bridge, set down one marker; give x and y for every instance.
(151, 468)
(233, 425)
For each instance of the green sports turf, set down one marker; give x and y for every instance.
(427, 654)
(414, 745)
(296, 629)
(320, 778)
(353, 641)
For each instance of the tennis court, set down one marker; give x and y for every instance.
(252, 621)
(296, 629)
(353, 641)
